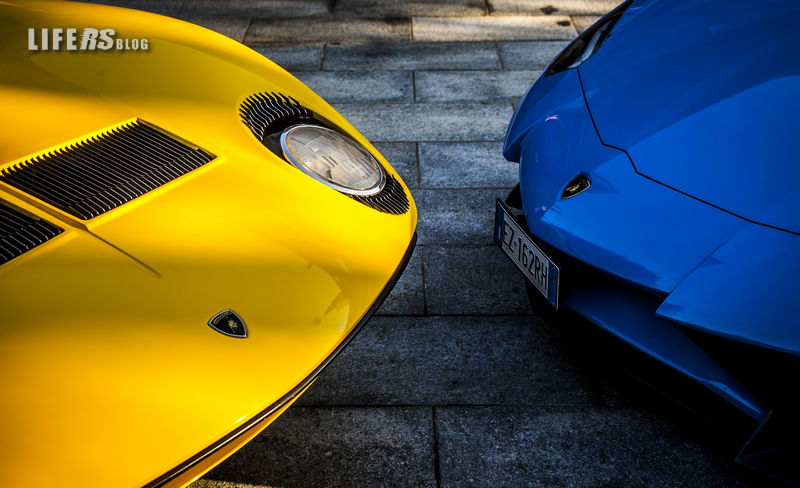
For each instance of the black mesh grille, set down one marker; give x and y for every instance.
(20, 233)
(267, 113)
(391, 199)
(105, 171)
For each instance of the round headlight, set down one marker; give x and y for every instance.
(334, 159)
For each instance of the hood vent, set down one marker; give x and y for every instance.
(20, 233)
(268, 113)
(98, 174)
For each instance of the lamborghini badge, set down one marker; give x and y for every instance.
(229, 324)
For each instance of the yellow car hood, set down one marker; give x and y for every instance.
(110, 374)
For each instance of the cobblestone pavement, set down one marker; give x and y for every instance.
(456, 383)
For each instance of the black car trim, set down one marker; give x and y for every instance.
(264, 414)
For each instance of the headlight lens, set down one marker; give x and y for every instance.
(587, 43)
(334, 159)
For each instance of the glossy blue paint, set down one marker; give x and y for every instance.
(634, 9)
(705, 97)
(695, 199)
(624, 224)
(746, 290)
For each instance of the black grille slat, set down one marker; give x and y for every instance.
(266, 113)
(51, 178)
(105, 171)
(20, 233)
(391, 199)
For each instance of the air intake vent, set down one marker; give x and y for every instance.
(20, 233)
(105, 171)
(391, 199)
(267, 113)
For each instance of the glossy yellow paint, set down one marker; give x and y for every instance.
(110, 375)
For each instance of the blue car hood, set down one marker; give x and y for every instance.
(704, 96)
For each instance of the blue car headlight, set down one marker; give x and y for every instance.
(586, 44)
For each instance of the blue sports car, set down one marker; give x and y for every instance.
(659, 197)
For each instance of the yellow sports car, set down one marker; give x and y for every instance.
(188, 236)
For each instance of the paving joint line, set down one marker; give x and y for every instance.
(500, 57)
(459, 315)
(428, 70)
(437, 472)
(456, 102)
(247, 29)
(458, 405)
(574, 25)
(424, 282)
(469, 188)
(322, 57)
(419, 167)
(444, 141)
(460, 246)
(463, 315)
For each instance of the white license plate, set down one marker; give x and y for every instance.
(540, 270)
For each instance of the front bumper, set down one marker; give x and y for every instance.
(629, 313)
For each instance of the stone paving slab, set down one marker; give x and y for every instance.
(471, 86)
(529, 55)
(453, 360)
(429, 122)
(457, 216)
(465, 165)
(338, 447)
(293, 58)
(583, 22)
(328, 29)
(265, 9)
(403, 158)
(408, 295)
(412, 56)
(407, 8)
(572, 447)
(499, 28)
(360, 86)
(472, 281)
(552, 7)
